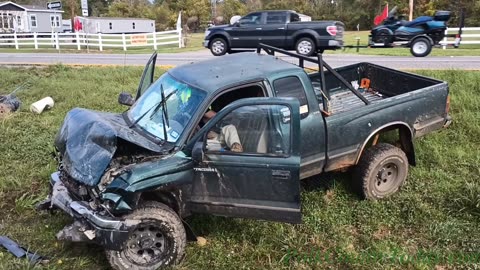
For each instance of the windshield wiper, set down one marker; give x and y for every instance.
(162, 103)
(164, 112)
(145, 113)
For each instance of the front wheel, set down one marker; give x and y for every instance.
(218, 46)
(420, 47)
(381, 172)
(305, 46)
(157, 241)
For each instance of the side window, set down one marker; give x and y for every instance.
(294, 17)
(253, 129)
(292, 87)
(276, 17)
(55, 21)
(251, 19)
(33, 20)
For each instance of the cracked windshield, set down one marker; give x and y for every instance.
(169, 115)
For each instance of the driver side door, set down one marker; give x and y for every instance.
(147, 75)
(262, 180)
(246, 33)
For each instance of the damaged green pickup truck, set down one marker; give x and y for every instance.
(129, 180)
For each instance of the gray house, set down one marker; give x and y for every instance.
(110, 25)
(27, 19)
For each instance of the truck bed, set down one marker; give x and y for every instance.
(384, 83)
(345, 101)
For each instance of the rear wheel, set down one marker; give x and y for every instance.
(218, 46)
(157, 241)
(381, 172)
(420, 47)
(305, 46)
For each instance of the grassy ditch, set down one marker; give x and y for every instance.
(433, 222)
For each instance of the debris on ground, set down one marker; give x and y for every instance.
(41, 105)
(20, 252)
(10, 103)
(201, 241)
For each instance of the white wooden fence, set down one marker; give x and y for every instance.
(466, 37)
(90, 41)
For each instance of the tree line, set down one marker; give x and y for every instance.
(198, 13)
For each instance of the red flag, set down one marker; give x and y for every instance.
(379, 19)
(77, 25)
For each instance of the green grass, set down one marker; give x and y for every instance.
(437, 212)
(194, 42)
(350, 39)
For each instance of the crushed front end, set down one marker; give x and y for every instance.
(94, 149)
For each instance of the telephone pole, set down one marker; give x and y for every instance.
(411, 10)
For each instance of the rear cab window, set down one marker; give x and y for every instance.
(291, 86)
(294, 17)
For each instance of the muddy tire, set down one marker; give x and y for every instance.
(381, 172)
(158, 241)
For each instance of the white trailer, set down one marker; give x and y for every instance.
(110, 25)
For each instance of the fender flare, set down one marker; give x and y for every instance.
(419, 36)
(407, 144)
(222, 34)
(305, 32)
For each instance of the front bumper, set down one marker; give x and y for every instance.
(89, 224)
(205, 43)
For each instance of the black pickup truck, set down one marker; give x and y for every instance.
(129, 180)
(282, 29)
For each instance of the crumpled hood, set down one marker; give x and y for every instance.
(87, 142)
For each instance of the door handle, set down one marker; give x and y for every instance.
(281, 28)
(258, 28)
(280, 174)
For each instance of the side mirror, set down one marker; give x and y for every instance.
(236, 24)
(126, 99)
(197, 151)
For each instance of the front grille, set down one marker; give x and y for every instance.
(77, 190)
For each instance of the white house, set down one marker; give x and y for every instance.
(27, 18)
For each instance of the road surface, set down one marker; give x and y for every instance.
(174, 59)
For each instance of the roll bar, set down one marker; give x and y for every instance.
(321, 65)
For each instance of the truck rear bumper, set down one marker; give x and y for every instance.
(89, 225)
(329, 44)
(448, 121)
(432, 125)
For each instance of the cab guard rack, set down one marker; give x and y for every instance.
(322, 65)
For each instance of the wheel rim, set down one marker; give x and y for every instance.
(420, 47)
(386, 179)
(146, 244)
(218, 47)
(304, 47)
